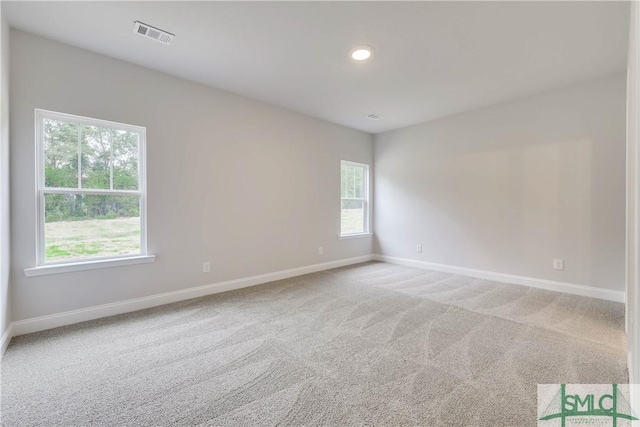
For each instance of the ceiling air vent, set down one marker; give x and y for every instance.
(374, 116)
(152, 32)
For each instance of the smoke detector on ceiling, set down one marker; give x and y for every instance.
(153, 33)
(374, 116)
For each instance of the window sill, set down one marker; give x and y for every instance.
(87, 265)
(354, 236)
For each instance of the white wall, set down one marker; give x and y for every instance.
(508, 188)
(5, 307)
(250, 187)
(633, 198)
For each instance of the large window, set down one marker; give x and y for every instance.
(91, 189)
(354, 183)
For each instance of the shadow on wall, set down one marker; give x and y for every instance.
(508, 210)
(510, 188)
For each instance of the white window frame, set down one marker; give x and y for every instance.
(43, 267)
(365, 201)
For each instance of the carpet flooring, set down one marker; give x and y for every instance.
(371, 344)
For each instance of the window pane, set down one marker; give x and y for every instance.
(81, 227)
(348, 182)
(358, 181)
(96, 157)
(352, 182)
(125, 160)
(60, 154)
(352, 219)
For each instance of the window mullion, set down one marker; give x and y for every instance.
(79, 156)
(41, 213)
(111, 159)
(91, 192)
(365, 216)
(142, 173)
(353, 182)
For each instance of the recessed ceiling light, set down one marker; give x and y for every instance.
(361, 53)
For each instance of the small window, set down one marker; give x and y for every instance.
(354, 183)
(91, 189)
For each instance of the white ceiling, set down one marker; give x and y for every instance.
(432, 58)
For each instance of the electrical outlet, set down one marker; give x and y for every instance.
(419, 249)
(320, 250)
(206, 267)
(558, 264)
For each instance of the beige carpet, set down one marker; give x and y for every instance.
(372, 344)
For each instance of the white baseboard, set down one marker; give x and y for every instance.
(42, 323)
(550, 285)
(6, 338)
